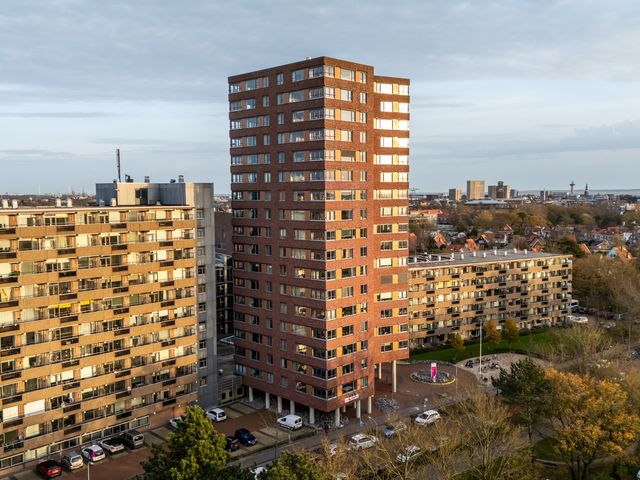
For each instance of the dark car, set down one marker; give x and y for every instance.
(132, 439)
(49, 469)
(245, 437)
(469, 364)
(232, 443)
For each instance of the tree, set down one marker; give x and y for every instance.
(511, 330)
(579, 344)
(492, 444)
(457, 343)
(193, 451)
(491, 332)
(525, 386)
(590, 419)
(234, 472)
(292, 466)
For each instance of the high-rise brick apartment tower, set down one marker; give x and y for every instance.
(319, 164)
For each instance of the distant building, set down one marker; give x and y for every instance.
(499, 191)
(455, 194)
(475, 189)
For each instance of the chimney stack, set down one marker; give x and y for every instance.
(69, 203)
(58, 202)
(5, 203)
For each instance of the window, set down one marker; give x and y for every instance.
(345, 95)
(297, 116)
(281, 119)
(297, 96)
(279, 78)
(363, 97)
(297, 75)
(347, 74)
(265, 101)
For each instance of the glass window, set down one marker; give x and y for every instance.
(297, 75)
(280, 79)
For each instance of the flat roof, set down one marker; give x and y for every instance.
(483, 256)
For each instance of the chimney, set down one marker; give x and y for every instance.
(462, 256)
(69, 203)
(147, 179)
(515, 250)
(484, 254)
(58, 202)
(505, 253)
(180, 178)
(526, 252)
(114, 202)
(5, 203)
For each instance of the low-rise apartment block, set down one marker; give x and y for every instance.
(98, 323)
(456, 293)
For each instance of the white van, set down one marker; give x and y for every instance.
(216, 414)
(292, 422)
(573, 319)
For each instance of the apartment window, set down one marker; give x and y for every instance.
(266, 139)
(297, 75)
(346, 95)
(281, 119)
(297, 116)
(265, 101)
(347, 74)
(279, 99)
(281, 159)
(362, 77)
(279, 78)
(363, 97)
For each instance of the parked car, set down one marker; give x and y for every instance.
(93, 453)
(232, 444)
(245, 437)
(72, 461)
(112, 445)
(392, 430)
(573, 305)
(292, 422)
(469, 364)
(408, 454)
(173, 423)
(216, 414)
(333, 449)
(576, 320)
(132, 439)
(49, 469)
(360, 441)
(257, 471)
(428, 417)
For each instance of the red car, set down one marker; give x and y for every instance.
(49, 469)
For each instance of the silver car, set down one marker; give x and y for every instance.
(72, 461)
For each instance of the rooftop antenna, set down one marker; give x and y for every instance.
(118, 163)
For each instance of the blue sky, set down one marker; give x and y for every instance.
(535, 93)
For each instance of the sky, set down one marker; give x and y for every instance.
(535, 93)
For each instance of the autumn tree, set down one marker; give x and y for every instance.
(590, 419)
(579, 344)
(526, 387)
(491, 332)
(457, 343)
(511, 331)
(295, 466)
(492, 444)
(194, 450)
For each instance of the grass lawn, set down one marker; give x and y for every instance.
(524, 343)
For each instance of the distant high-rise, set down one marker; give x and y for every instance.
(475, 189)
(455, 194)
(319, 171)
(499, 191)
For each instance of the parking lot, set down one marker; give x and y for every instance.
(125, 465)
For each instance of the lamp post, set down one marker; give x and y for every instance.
(480, 366)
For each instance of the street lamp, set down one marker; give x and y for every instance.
(480, 366)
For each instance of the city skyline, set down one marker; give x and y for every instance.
(536, 94)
